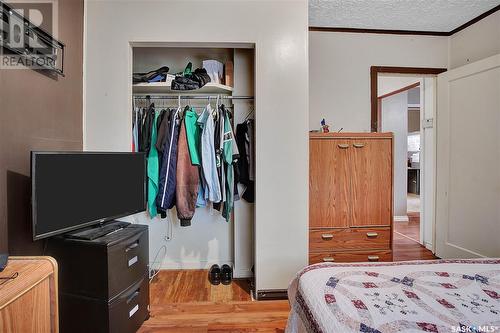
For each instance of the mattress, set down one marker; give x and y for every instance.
(409, 296)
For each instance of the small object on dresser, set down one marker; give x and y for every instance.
(4, 257)
(324, 127)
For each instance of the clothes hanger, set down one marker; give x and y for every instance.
(215, 113)
(249, 114)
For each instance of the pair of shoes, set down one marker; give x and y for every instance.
(218, 275)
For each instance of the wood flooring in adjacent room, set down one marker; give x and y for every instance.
(184, 300)
(406, 244)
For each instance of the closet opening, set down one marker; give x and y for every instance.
(201, 166)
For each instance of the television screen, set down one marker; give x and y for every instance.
(77, 189)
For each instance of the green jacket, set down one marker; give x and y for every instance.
(153, 171)
(193, 134)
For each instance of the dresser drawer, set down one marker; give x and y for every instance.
(124, 314)
(355, 256)
(130, 309)
(127, 262)
(349, 239)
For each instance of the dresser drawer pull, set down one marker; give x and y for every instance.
(132, 246)
(373, 258)
(327, 236)
(134, 295)
(372, 234)
(343, 145)
(358, 145)
(328, 259)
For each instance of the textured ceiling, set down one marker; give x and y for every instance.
(417, 15)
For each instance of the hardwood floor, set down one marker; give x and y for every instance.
(405, 242)
(409, 229)
(184, 300)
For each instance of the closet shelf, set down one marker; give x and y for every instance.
(164, 88)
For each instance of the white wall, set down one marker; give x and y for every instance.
(479, 41)
(395, 119)
(279, 31)
(339, 71)
(390, 83)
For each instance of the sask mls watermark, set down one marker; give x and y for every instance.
(475, 329)
(28, 35)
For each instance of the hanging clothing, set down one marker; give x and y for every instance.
(187, 180)
(218, 143)
(210, 178)
(153, 169)
(245, 146)
(193, 135)
(230, 155)
(251, 149)
(147, 126)
(167, 184)
(160, 137)
(135, 130)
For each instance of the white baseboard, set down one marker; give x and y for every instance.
(428, 246)
(192, 264)
(242, 273)
(403, 218)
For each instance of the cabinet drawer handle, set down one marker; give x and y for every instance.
(358, 145)
(372, 234)
(326, 236)
(343, 145)
(132, 246)
(373, 258)
(134, 295)
(328, 259)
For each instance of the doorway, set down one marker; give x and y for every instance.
(399, 102)
(404, 100)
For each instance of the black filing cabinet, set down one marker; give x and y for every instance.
(103, 283)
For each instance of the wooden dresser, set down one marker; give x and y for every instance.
(350, 197)
(29, 302)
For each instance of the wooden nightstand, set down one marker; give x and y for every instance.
(29, 302)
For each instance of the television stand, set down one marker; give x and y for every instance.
(97, 232)
(103, 283)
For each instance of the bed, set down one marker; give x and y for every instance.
(410, 296)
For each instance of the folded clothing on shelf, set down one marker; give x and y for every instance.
(158, 75)
(189, 80)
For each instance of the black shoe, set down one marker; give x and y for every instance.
(226, 274)
(214, 275)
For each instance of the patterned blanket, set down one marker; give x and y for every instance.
(412, 296)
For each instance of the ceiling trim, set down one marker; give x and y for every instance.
(408, 32)
(380, 31)
(474, 20)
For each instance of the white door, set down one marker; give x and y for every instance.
(468, 161)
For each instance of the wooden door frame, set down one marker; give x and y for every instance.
(375, 70)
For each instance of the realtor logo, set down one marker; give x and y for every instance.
(28, 35)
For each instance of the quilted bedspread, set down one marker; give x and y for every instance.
(412, 296)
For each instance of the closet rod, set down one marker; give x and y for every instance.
(194, 97)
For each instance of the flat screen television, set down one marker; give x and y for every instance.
(71, 190)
